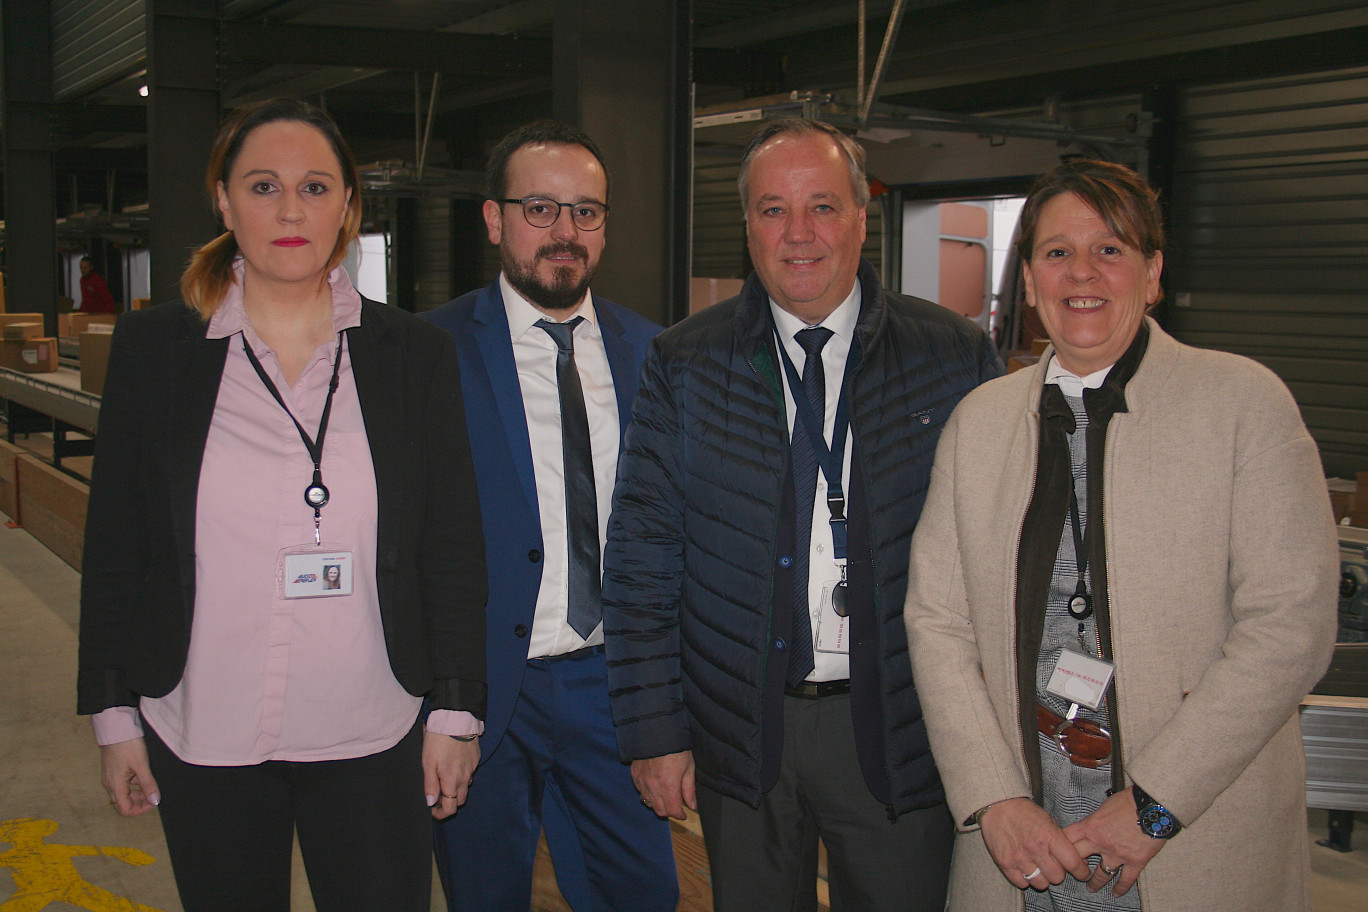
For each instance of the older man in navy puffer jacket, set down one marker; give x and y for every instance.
(758, 669)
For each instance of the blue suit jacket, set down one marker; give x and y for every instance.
(502, 453)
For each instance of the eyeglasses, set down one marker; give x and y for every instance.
(542, 213)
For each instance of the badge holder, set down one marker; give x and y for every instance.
(1080, 679)
(833, 623)
(315, 571)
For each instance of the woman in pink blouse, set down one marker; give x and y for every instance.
(283, 554)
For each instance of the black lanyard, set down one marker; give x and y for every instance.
(1080, 604)
(315, 495)
(831, 459)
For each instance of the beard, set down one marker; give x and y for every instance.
(564, 292)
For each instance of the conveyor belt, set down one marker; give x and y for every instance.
(58, 395)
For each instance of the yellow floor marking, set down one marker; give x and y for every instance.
(43, 873)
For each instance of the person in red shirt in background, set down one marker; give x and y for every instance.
(95, 296)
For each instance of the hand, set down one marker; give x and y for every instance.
(128, 778)
(1023, 840)
(666, 783)
(448, 770)
(1111, 831)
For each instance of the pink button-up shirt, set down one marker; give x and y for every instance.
(270, 678)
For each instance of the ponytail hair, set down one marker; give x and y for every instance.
(209, 275)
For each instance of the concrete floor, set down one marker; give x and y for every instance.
(49, 771)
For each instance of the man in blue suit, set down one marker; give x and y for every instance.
(540, 358)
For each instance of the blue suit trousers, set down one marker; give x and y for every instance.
(557, 768)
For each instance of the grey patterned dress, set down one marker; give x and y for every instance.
(1071, 792)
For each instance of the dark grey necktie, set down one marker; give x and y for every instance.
(581, 503)
(804, 485)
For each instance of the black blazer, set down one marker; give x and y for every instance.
(138, 579)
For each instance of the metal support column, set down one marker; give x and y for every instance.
(30, 181)
(621, 71)
(182, 118)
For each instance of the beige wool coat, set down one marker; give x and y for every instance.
(1222, 564)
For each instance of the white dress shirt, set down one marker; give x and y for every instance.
(1070, 383)
(534, 352)
(822, 565)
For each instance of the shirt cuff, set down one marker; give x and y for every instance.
(118, 723)
(455, 722)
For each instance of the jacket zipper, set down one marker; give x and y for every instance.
(1113, 709)
(773, 547)
(1034, 418)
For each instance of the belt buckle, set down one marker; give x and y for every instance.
(1086, 727)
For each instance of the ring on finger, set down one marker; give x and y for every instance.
(1033, 874)
(448, 796)
(1110, 872)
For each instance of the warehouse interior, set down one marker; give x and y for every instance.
(1249, 116)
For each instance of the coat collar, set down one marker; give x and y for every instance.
(1141, 370)
(753, 314)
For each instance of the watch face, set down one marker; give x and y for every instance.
(1157, 822)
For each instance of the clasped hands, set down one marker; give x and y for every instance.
(1032, 850)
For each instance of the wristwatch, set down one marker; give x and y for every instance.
(1155, 819)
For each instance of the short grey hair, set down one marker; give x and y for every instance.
(798, 126)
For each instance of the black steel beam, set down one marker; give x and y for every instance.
(1255, 60)
(182, 118)
(84, 119)
(621, 72)
(257, 42)
(754, 72)
(29, 182)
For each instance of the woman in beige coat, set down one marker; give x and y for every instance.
(1158, 509)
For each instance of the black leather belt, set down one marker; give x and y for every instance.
(815, 690)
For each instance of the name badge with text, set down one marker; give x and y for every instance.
(309, 572)
(833, 626)
(1080, 678)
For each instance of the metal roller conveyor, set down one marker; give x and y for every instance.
(1334, 716)
(50, 402)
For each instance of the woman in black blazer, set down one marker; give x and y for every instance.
(232, 684)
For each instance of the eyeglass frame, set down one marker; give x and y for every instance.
(571, 206)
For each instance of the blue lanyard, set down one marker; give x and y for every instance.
(831, 459)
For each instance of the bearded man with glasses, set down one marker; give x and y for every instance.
(549, 374)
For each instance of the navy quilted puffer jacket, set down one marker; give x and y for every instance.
(691, 554)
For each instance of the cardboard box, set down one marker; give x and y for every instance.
(7, 318)
(1358, 509)
(95, 359)
(9, 480)
(32, 356)
(53, 507)
(72, 325)
(17, 332)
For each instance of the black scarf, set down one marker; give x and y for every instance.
(1041, 530)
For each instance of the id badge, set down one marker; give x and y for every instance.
(833, 629)
(306, 571)
(1080, 678)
